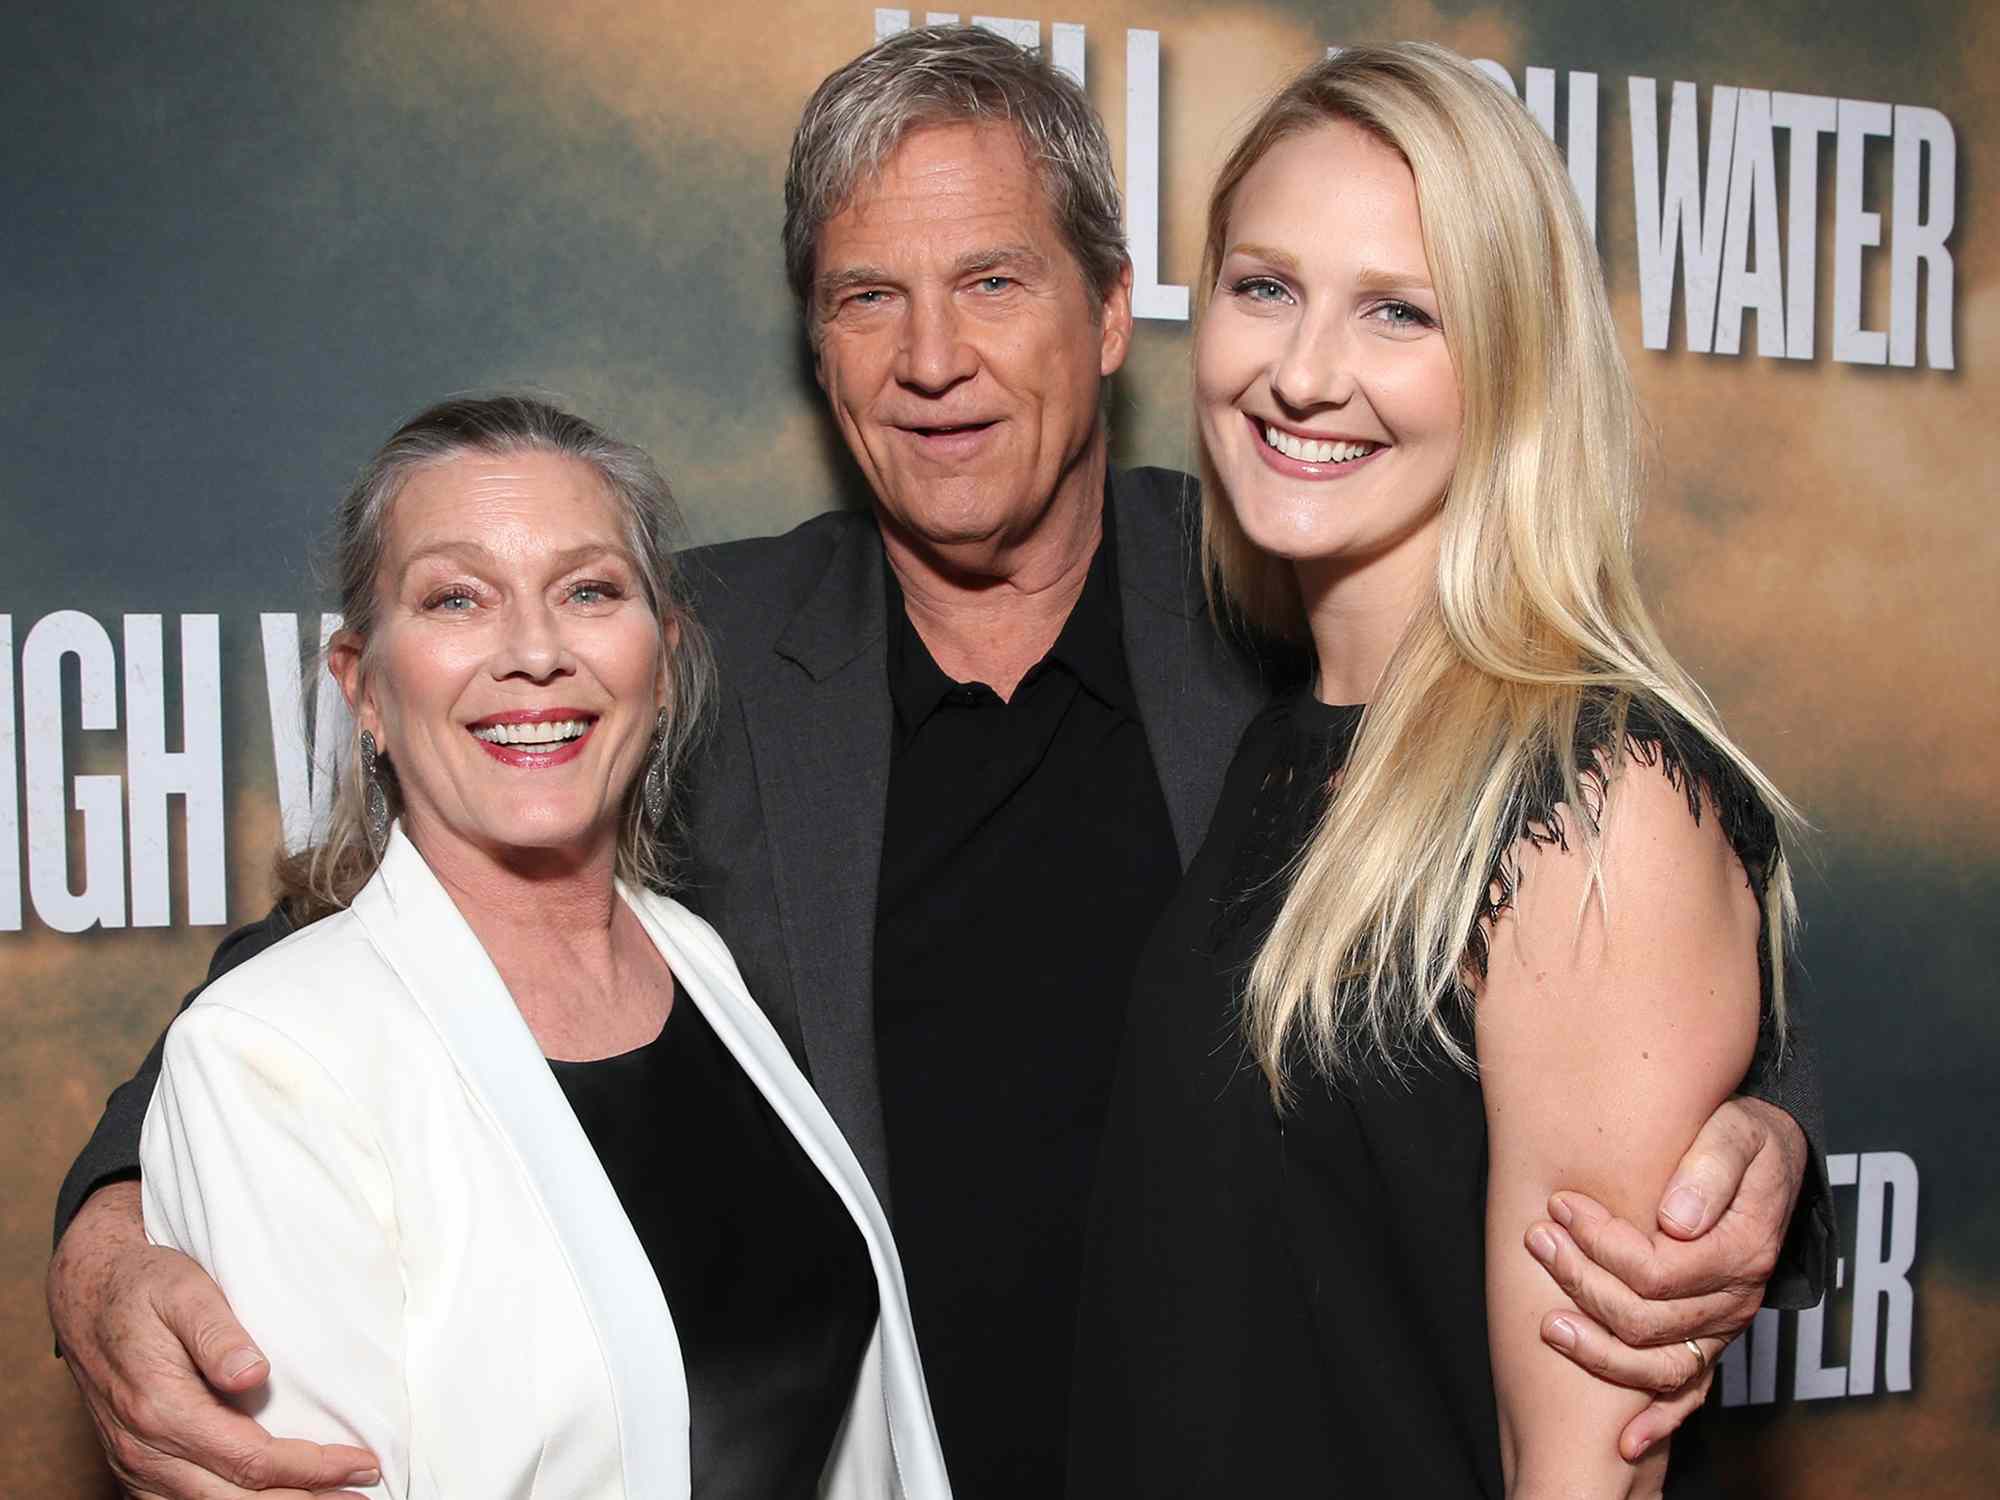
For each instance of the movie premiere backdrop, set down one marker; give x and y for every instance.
(243, 240)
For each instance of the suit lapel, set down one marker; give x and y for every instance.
(413, 923)
(1195, 690)
(817, 717)
(709, 977)
(818, 722)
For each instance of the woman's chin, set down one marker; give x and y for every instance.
(517, 836)
(1290, 537)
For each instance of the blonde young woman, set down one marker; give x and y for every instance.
(1491, 907)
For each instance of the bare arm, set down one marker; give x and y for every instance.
(151, 1343)
(1609, 1030)
(1638, 1298)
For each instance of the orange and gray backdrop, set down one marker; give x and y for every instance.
(243, 240)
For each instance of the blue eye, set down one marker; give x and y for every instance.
(593, 592)
(452, 601)
(1260, 289)
(994, 283)
(1403, 315)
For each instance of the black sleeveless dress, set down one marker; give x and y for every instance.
(1295, 1304)
(765, 1272)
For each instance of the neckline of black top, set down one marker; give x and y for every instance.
(1315, 717)
(631, 1055)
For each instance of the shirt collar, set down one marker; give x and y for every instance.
(1091, 646)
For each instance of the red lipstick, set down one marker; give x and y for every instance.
(532, 757)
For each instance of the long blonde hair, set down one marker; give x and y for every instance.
(1536, 615)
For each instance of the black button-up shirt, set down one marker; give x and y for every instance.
(1026, 853)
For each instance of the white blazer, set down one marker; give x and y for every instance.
(357, 1135)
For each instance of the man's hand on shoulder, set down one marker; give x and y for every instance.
(152, 1347)
(1658, 1308)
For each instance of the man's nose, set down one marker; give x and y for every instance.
(935, 354)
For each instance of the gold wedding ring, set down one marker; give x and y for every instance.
(1700, 1359)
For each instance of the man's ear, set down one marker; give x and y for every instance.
(1115, 331)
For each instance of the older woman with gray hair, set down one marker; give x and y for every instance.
(518, 1185)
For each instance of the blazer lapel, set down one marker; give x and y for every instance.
(418, 930)
(818, 722)
(1195, 690)
(708, 976)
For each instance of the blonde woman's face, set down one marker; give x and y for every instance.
(1325, 389)
(516, 669)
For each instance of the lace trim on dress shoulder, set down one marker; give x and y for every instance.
(1656, 737)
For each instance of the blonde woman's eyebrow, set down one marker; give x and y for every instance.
(1270, 255)
(1374, 279)
(1367, 279)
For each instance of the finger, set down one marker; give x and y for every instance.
(1663, 1418)
(1649, 1289)
(1661, 1370)
(175, 1420)
(288, 1464)
(193, 1308)
(147, 1466)
(162, 1477)
(1729, 1259)
(177, 1479)
(307, 1467)
(1710, 1173)
(239, 1452)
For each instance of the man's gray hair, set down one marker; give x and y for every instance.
(952, 75)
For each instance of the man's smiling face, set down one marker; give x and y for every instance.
(960, 346)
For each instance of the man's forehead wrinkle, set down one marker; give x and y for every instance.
(909, 159)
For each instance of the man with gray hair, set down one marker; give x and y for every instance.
(967, 744)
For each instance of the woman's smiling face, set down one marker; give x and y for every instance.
(1324, 385)
(516, 670)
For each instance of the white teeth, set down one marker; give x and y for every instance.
(553, 732)
(1310, 451)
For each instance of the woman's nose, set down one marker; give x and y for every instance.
(532, 645)
(1316, 368)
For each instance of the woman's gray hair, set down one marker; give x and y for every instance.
(952, 75)
(326, 876)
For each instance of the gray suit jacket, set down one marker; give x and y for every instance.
(786, 800)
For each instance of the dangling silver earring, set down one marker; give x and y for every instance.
(374, 799)
(653, 787)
